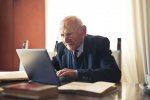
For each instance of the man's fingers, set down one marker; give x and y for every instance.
(68, 73)
(60, 72)
(65, 72)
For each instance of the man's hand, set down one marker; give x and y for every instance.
(66, 72)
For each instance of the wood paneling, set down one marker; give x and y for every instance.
(20, 20)
(6, 34)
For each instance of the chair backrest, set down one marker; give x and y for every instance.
(25, 45)
(117, 53)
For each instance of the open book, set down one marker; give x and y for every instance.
(90, 89)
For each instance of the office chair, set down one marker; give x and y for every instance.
(117, 53)
(25, 45)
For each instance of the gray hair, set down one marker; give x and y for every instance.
(72, 21)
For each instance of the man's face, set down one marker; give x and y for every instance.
(72, 37)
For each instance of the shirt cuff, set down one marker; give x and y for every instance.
(76, 73)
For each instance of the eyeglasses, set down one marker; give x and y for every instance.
(67, 35)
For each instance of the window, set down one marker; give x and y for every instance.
(102, 17)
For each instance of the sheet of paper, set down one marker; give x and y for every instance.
(13, 75)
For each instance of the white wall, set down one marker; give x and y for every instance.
(102, 17)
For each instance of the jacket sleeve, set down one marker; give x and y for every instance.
(107, 70)
(56, 60)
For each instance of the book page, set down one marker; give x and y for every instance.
(13, 75)
(100, 87)
(75, 86)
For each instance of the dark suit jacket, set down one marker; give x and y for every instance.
(95, 63)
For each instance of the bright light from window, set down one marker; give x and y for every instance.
(102, 17)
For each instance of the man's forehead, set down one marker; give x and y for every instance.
(66, 31)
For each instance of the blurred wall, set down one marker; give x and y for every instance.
(20, 20)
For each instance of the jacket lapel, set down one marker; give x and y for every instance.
(66, 58)
(88, 52)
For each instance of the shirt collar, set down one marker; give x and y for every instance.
(80, 49)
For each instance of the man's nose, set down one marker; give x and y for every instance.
(66, 39)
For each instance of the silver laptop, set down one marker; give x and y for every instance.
(38, 66)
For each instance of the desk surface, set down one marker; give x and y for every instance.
(126, 92)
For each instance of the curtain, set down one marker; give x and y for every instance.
(135, 47)
(146, 39)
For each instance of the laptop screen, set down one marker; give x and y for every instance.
(38, 66)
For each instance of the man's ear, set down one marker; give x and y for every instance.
(84, 29)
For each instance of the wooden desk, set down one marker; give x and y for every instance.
(126, 92)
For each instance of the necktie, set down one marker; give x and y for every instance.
(75, 59)
(75, 54)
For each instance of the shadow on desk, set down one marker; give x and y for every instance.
(62, 97)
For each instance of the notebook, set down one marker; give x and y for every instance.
(38, 66)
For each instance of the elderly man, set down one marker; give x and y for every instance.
(83, 57)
